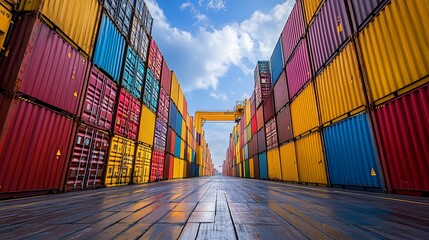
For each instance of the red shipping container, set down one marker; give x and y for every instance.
(157, 168)
(281, 96)
(260, 117)
(171, 141)
(127, 116)
(168, 166)
(88, 160)
(254, 125)
(256, 166)
(163, 105)
(403, 132)
(34, 147)
(269, 107)
(252, 106)
(284, 123)
(271, 134)
(100, 100)
(155, 60)
(166, 77)
(262, 146)
(44, 66)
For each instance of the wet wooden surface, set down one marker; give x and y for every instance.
(216, 208)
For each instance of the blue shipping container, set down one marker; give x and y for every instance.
(109, 50)
(179, 124)
(263, 168)
(151, 92)
(192, 170)
(177, 147)
(194, 156)
(133, 76)
(351, 153)
(276, 62)
(197, 170)
(173, 115)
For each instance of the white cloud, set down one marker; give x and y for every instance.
(216, 4)
(201, 59)
(185, 5)
(218, 96)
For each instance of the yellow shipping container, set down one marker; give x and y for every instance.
(77, 19)
(142, 166)
(174, 89)
(311, 163)
(184, 129)
(182, 149)
(180, 101)
(304, 111)
(248, 112)
(395, 47)
(310, 7)
(251, 168)
(339, 86)
(176, 171)
(5, 21)
(120, 162)
(147, 126)
(288, 162)
(199, 155)
(274, 166)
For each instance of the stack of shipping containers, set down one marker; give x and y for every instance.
(348, 106)
(85, 98)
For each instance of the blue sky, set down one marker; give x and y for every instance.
(213, 46)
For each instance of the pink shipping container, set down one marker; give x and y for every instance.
(403, 138)
(260, 118)
(254, 124)
(271, 134)
(89, 158)
(155, 60)
(100, 100)
(269, 110)
(163, 105)
(44, 66)
(298, 69)
(127, 116)
(157, 167)
(293, 30)
(38, 161)
(166, 77)
(281, 96)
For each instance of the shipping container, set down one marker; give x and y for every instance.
(311, 162)
(351, 153)
(133, 74)
(180, 101)
(155, 60)
(396, 55)
(179, 123)
(288, 162)
(339, 86)
(80, 28)
(276, 62)
(144, 16)
(263, 84)
(271, 134)
(328, 32)
(256, 166)
(284, 125)
(168, 166)
(121, 11)
(310, 7)
(120, 161)
(163, 105)
(254, 125)
(304, 112)
(86, 167)
(177, 148)
(139, 36)
(100, 100)
(160, 137)
(260, 118)
(38, 161)
(274, 165)
(263, 168)
(44, 66)
(166, 77)
(174, 93)
(281, 96)
(147, 126)
(298, 69)
(171, 141)
(246, 169)
(6, 24)
(151, 92)
(364, 11)
(403, 133)
(142, 165)
(172, 118)
(251, 168)
(262, 147)
(109, 50)
(293, 30)
(127, 116)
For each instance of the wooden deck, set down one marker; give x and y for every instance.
(216, 208)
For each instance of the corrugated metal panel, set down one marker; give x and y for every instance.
(288, 162)
(298, 69)
(151, 92)
(144, 16)
(271, 133)
(99, 101)
(178, 146)
(284, 123)
(121, 11)
(155, 60)
(109, 50)
(172, 118)
(163, 105)
(310, 7)
(139, 39)
(5, 23)
(179, 122)
(261, 141)
(166, 77)
(180, 101)
(403, 128)
(168, 166)
(328, 31)
(281, 96)
(263, 168)
(248, 133)
(274, 166)
(182, 149)
(88, 160)
(293, 30)
(81, 28)
(246, 169)
(174, 94)
(176, 171)
(37, 161)
(160, 137)
(49, 70)
(147, 126)
(276, 62)
(246, 151)
(269, 110)
(351, 153)
(256, 166)
(311, 163)
(395, 47)
(127, 116)
(133, 75)
(142, 166)
(251, 168)
(364, 11)
(339, 87)
(171, 141)
(254, 125)
(304, 111)
(119, 164)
